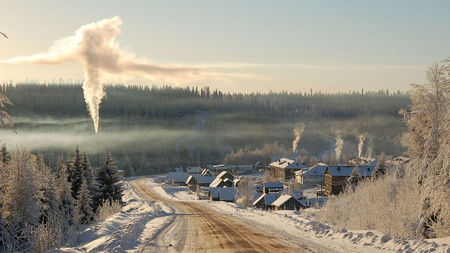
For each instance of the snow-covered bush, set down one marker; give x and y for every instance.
(389, 205)
(245, 192)
(107, 209)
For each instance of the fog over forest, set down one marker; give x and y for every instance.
(155, 129)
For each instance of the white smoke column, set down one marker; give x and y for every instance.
(338, 149)
(298, 131)
(95, 46)
(362, 138)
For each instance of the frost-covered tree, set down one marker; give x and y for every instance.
(109, 180)
(66, 202)
(428, 146)
(354, 179)
(3, 114)
(245, 191)
(19, 202)
(4, 154)
(380, 168)
(84, 212)
(89, 174)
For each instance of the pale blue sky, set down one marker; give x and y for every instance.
(296, 45)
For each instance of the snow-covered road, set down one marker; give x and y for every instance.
(162, 218)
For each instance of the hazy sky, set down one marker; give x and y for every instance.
(263, 45)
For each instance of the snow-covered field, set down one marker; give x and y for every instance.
(141, 220)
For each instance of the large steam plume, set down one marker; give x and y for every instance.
(298, 131)
(95, 46)
(362, 138)
(339, 146)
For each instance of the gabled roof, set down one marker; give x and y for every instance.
(268, 199)
(283, 199)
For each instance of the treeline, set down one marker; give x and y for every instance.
(41, 208)
(66, 101)
(152, 129)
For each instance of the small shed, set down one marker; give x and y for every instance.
(287, 202)
(265, 201)
(213, 193)
(227, 194)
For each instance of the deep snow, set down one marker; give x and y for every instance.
(141, 220)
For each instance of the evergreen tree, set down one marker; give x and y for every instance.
(89, 174)
(354, 179)
(109, 180)
(75, 171)
(64, 194)
(49, 201)
(84, 211)
(380, 168)
(4, 154)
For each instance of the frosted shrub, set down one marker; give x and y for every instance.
(107, 209)
(389, 205)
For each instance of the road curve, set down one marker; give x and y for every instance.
(196, 228)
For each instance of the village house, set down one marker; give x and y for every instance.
(177, 178)
(224, 179)
(222, 194)
(197, 180)
(284, 168)
(336, 177)
(265, 201)
(287, 202)
(313, 176)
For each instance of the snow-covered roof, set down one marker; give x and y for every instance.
(275, 158)
(282, 162)
(281, 200)
(205, 180)
(268, 198)
(346, 170)
(273, 185)
(177, 177)
(316, 170)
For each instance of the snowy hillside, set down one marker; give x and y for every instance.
(141, 220)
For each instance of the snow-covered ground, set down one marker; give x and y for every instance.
(140, 221)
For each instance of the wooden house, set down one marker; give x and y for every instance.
(313, 176)
(336, 177)
(265, 201)
(287, 202)
(224, 179)
(273, 187)
(284, 168)
(222, 194)
(178, 178)
(197, 180)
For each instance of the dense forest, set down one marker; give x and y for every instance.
(153, 129)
